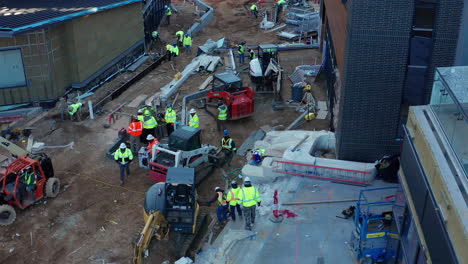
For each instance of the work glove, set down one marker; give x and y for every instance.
(259, 203)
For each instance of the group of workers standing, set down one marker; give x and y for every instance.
(243, 199)
(144, 128)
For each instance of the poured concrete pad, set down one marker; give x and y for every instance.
(315, 236)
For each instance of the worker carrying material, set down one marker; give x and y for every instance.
(170, 117)
(149, 124)
(168, 14)
(222, 210)
(254, 10)
(180, 37)
(241, 51)
(151, 142)
(233, 199)
(187, 44)
(249, 198)
(222, 116)
(194, 120)
(74, 111)
(123, 156)
(228, 147)
(135, 130)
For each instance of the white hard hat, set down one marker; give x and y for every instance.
(193, 111)
(247, 179)
(217, 188)
(149, 137)
(122, 145)
(140, 111)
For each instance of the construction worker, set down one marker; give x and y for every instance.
(135, 130)
(188, 44)
(308, 99)
(28, 183)
(194, 120)
(222, 116)
(168, 52)
(74, 110)
(222, 210)
(170, 117)
(151, 142)
(241, 51)
(252, 54)
(168, 14)
(254, 10)
(233, 199)
(228, 147)
(175, 50)
(123, 156)
(249, 198)
(149, 124)
(279, 7)
(180, 37)
(257, 156)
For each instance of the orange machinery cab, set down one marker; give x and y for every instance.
(227, 88)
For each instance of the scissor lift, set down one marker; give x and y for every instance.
(375, 238)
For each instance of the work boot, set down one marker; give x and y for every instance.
(121, 183)
(248, 228)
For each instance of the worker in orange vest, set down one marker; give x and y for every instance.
(152, 141)
(135, 130)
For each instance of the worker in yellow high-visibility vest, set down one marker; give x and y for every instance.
(232, 197)
(194, 120)
(188, 44)
(249, 198)
(222, 116)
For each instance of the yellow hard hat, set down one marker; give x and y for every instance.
(310, 116)
(308, 87)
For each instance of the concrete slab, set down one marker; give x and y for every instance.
(136, 102)
(316, 235)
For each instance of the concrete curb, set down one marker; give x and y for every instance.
(204, 20)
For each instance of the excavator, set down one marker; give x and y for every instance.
(13, 192)
(170, 206)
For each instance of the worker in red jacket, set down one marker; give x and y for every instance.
(135, 130)
(152, 141)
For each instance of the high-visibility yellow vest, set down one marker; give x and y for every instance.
(175, 50)
(188, 41)
(281, 2)
(233, 196)
(169, 47)
(221, 199)
(149, 122)
(124, 157)
(168, 11)
(254, 7)
(222, 112)
(29, 178)
(155, 34)
(180, 35)
(194, 121)
(227, 144)
(249, 196)
(74, 108)
(241, 49)
(141, 118)
(170, 116)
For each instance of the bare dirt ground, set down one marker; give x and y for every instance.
(94, 220)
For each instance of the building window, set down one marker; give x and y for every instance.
(11, 68)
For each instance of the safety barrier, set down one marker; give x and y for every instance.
(349, 176)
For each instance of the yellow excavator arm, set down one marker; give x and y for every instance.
(12, 148)
(155, 225)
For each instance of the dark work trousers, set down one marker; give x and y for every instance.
(255, 13)
(30, 188)
(220, 124)
(228, 154)
(169, 128)
(241, 57)
(221, 212)
(123, 168)
(249, 213)
(168, 19)
(135, 144)
(232, 209)
(168, 55)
